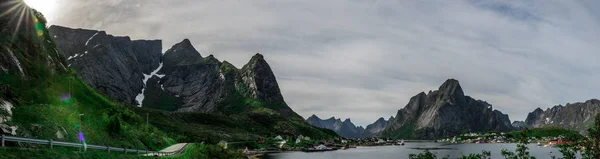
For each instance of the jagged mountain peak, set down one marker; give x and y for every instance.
(260, 80)
(347, 120)
(452, 88)
(185, 48)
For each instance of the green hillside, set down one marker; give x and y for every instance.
(48, 98)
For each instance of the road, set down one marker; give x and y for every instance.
(179, 148)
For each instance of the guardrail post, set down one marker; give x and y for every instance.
(126, 151)
(108, 149)
(2, 140)
(51, 144)
(138, 151)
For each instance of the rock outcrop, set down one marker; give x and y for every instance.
(444, 113)
(579, 116)
(113, 65)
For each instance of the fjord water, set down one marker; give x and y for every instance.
(402, 152)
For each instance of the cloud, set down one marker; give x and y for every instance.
(365, 59)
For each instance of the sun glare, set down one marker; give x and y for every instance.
(47, 7)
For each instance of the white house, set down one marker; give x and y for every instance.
(278, 137)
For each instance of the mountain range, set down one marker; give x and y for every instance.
(181, 86)
(577, 116)
(346, 128)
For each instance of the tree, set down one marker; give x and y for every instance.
(522, 149)
(592, 144)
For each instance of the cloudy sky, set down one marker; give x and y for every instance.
(364, 59)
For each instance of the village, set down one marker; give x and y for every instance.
(546, 141)
(304, 143)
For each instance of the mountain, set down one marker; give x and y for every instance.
(578, 116)
(346, 128)
(445, 112)
(343, 128)
(198, 96)
(377, 127)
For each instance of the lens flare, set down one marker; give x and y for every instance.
(66, 98)
(81, 138)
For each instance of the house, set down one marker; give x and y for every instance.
(282, 143)
(278, 137)
(299, 139)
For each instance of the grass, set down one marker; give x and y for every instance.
(64, 153)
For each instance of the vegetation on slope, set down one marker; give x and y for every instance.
(49, 100)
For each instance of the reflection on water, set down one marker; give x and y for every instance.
(401, 152)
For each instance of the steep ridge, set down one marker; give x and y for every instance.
(443, 113)
(578, 116)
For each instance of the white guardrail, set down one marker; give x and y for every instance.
(68, 144)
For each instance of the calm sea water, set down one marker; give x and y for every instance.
(401, 152)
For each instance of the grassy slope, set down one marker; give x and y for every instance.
(39, 111)
(63, 153)
(211, 128)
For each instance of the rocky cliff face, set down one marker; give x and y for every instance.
(443, 113)
(137, 73)
(579, 116)
(113, 65)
